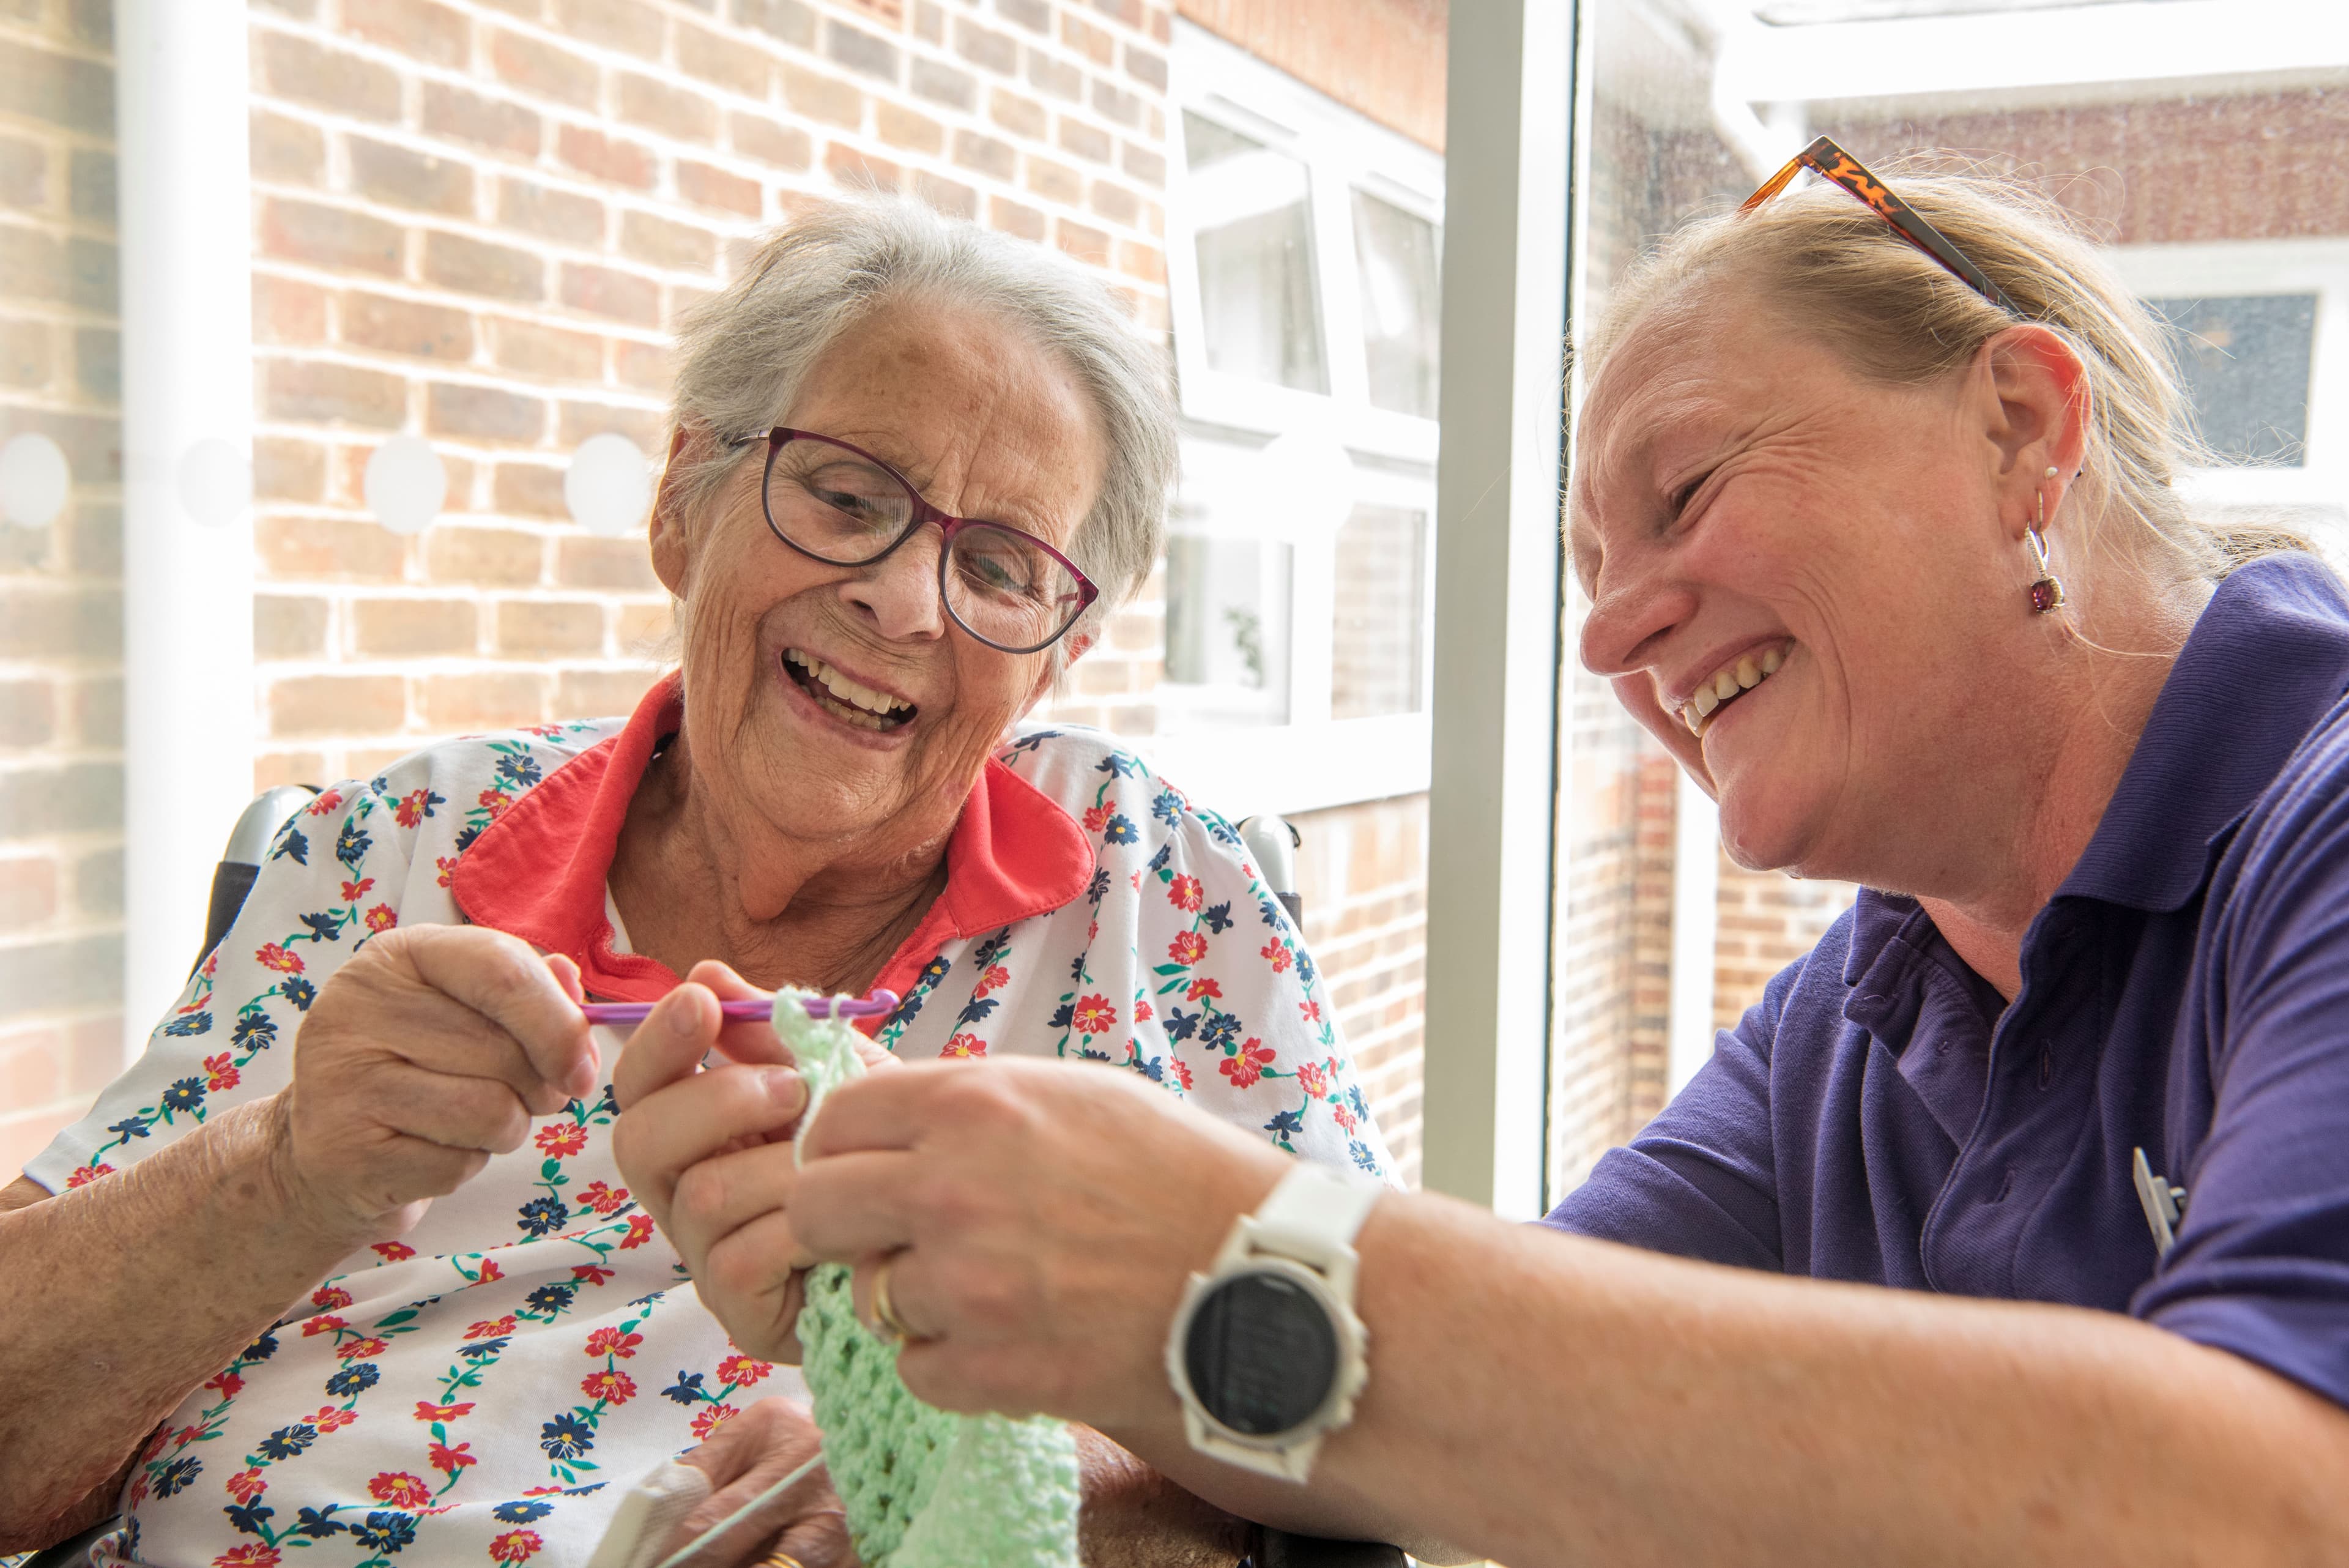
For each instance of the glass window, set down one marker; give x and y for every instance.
(1377, 647)
(2246, 359)
(1396, 252)
(1258, 298)
(1228, 625)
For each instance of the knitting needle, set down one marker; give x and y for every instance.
(758, 1008)
(678, 1558)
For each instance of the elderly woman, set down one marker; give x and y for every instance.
(344, 1261)
(1876, 509)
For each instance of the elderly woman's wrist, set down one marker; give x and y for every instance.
(278, 1185)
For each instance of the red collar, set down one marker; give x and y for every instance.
(539, 871)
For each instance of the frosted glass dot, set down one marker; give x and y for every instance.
(609, 485)
(34, 479)
(215, 482)
(406, 484)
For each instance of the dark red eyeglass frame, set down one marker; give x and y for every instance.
(1836, 166)
(924, 512)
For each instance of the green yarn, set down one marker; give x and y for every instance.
(922, 1488)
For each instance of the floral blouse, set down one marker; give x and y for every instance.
(483, 1387)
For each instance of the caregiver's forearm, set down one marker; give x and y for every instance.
(1548, 1399)
(125, 1294)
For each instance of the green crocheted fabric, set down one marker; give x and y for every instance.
(923, 1488)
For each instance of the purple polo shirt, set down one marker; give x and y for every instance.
(1881, 1116)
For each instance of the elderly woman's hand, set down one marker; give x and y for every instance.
(708, 1152)
(427, 1053)
(746, 1455)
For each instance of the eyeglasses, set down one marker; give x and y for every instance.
(1836, 166)
(842, 506)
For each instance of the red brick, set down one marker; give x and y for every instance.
(707, 186)
(28, 712)
(296, 69)
(1144, 165)
(609, 158)
(550, 628)
(540, 68)
(682, 297)
(813, 96)
(315, 391)
(778, 146)
(674, 112)
(986, 48)
(1116, 203)
(1145, 263)
(1036, 15)
(407, 326)
(288, 151)
(24, 357)
(464, 115)
(482, 700)
(1024, 117)
(942, 83)
(902, 126)
(1117, 104)
(587, 562)
(630, 25)
(658, 242)
(24, 174)
(330, 237)
(985, 154)
(29, 895)
(861, 51)
(859, 171)
(328, 548)
(338, 705)
(643, 366)
(644, 630)
(495, 557)
(1058, 78)
(471, 413)
(289, 626)
(287, 312)
(550, 214)
(22, 1137)
(722, 61)
(272, 768)
(1084, 243)
(579, 420)
(529, 490)
(418, 29)
(537, 350)
(1126, 11)
(1055, 181)
(475, 266)
(32, 1061)
(790, 20)
(1147, 67)
(403, 628)
(601, 291)
(400, 177)
(1012, 218)
(951, 197)
(1084, 140)
(1094, 43)
(599, 693)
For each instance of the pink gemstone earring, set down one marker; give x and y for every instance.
(2047, 593)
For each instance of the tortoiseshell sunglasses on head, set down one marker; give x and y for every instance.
(1836, 166)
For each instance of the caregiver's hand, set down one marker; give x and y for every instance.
(427, 1053)
(1040, 1220)
(708, 1152)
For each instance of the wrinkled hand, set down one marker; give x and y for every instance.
(708, 1152)
(746, 1455)
(1040, 1218)
(425, 1054)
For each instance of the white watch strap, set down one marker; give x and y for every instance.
(1312, 1214)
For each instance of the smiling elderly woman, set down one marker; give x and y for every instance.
(313, 1234)
(1880, 527)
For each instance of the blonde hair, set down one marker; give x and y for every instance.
(1840, 273)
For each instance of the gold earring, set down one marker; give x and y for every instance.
(2047, 593)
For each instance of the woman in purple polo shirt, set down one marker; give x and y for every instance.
(1874, 505)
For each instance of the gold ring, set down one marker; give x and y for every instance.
(884, 1311)
(779, 1557)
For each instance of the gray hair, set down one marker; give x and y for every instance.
(745, 352)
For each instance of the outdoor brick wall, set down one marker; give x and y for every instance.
(60, 596)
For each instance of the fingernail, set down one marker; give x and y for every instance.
(683, 1020)
(785, 1088)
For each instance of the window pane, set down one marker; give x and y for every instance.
(2246, 360)
(1397, 253)
(1228, 625)
(1377, 657)
(1258, 302)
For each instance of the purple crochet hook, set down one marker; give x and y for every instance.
(759, 1007)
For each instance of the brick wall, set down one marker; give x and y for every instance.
(1384, 57)
(60, 598)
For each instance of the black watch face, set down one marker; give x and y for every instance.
(1261, 1354)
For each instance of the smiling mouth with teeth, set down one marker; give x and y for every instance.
(1727, 684)
(847, 700)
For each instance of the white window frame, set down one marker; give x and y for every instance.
(2232, 267)
(1226, 418)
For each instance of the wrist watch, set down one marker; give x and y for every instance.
(1266, 1351)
